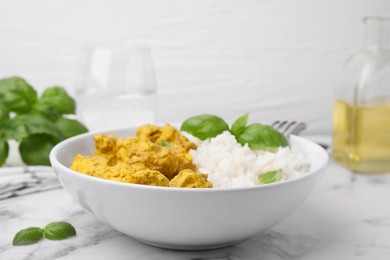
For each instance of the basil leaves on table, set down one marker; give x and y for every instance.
(59, 230)
(38, 123)
(53, 231)
(257, 136)
(28, 236)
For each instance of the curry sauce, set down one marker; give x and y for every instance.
(157, 156)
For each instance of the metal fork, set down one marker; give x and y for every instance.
(289, 127)
(16, 181)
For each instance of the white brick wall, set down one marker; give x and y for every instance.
(275, 59)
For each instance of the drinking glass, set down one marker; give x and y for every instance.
(116, 86)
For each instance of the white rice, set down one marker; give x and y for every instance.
(228, 164)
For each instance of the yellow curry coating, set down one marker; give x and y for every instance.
(91, 165)
(140, 150)
(189, 179)
(142, 160)
(136, 173)
(155, 134)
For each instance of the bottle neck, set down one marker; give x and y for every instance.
(377, 33)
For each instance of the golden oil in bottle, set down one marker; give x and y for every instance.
(361, 135)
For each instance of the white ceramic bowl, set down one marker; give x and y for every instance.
(182, 218)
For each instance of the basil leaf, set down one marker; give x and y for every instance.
(54, 102)
(4, 149)
(10, 128)
(163, 143)
(240, 124)
(35, 149)
(13, 129)
(70, 127)
(28, 236)
(261, 137)
(204, 126)
(17, 95)
(59, 230)
(271, 176)
(4, 115)
(38, 124)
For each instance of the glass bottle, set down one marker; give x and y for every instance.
(361, 116)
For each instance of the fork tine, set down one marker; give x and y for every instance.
(279, 125)
(275, 124)
(297, 129)
(282, 124)
(287, 128)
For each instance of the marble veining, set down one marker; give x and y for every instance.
(345, 217)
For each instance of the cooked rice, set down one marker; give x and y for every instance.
(229, 164)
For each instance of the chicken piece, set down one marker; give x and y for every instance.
(140, 159)
(135, 173)
(186, 162)
(176, 140)
(90, 165)
(97, 166)
(189, 179)
(106, 145)
(151, 132)
(153, 156)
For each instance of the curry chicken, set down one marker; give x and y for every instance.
(157, 156)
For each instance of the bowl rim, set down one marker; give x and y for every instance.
(55, 163)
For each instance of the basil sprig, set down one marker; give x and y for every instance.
(257, 136)
(53, 231)
(239, 125)
(38, 123)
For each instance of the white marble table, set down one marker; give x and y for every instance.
(346, 217)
